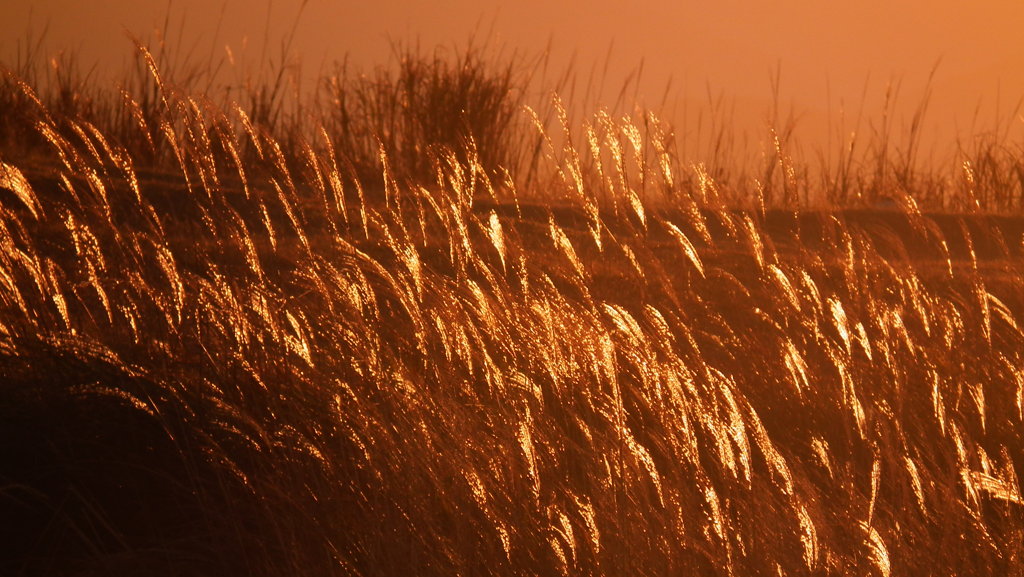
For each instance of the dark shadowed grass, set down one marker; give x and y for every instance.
(391, 335)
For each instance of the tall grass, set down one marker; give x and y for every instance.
(225, 351)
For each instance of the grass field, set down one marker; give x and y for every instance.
(412, 327)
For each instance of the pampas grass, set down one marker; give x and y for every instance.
(426, 331)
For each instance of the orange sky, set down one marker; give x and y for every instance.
(730, 46)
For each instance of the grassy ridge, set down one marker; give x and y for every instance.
(232, 348)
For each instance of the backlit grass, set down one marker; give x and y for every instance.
(424, 326)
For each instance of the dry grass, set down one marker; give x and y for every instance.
(223, 352)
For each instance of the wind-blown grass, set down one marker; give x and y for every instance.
(225, 351)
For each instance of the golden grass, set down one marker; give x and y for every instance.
(225, 350)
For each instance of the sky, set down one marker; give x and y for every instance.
(830, 58)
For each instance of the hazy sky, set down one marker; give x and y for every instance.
(732, 47)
